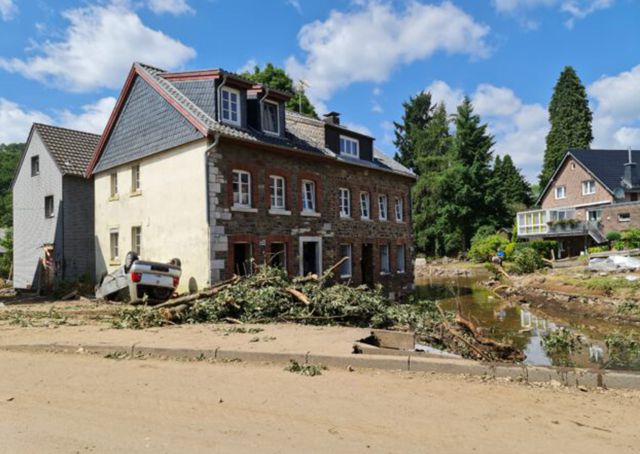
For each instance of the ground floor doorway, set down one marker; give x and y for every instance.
(310, 256)
(366, 264)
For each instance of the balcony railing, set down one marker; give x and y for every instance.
(550, 222)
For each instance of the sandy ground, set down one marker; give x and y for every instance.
(69, 403)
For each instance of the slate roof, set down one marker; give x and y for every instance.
(606, 165)
(70, 149)
(303, 133)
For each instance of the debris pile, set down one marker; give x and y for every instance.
(269, 295)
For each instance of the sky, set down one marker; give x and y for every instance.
(64, 62)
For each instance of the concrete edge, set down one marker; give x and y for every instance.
(404, 362)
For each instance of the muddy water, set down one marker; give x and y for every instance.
(517, 323)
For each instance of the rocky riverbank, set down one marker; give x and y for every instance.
(446, 267)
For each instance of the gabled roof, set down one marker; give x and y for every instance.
(606, 166)
(70, 149)
(303, 133)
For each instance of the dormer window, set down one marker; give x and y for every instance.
(270, 117)
(231, 105)
(349, 146)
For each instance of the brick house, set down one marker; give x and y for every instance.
(53, 208)
(592, 193)
(211, 168)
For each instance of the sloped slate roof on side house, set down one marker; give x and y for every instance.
(303, 133)
(70, 149)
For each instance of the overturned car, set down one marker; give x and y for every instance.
(140, 281)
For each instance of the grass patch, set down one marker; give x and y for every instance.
(309, 370)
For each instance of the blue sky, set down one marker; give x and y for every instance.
(65, 64)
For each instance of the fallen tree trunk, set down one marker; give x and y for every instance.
(191, 299)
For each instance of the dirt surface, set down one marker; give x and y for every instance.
(71, 403)
(447, 267)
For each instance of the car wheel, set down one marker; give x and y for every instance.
(176, 262)
(129, 260)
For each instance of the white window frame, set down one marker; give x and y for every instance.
(586, 185)
(240, 190)
(344, 201)
(135, 178)
(226, 114)
(564, 192)
(349, 146)
(273, 192)
(399, 206)
(385, 268)
(277, 131)
(114, 247)
(113, 182)
(365, 205)
(348, 262)
(383, 207)
(626, 218)
(136, 239)
(312, 200)
(401, 265)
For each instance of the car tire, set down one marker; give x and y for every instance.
(176, 262)
(129, 260)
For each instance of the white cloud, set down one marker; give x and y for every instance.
(15, 122)
(376, 107)
(368, 43)
(295, 4)
(248, 66)
(577, 9)
(616, 119)
(8, 9)
(175, 7)
(98, 49)
(93, 117)
(520, 129)
(362, 129)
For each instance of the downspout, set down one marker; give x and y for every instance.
(266, 93)
(207, 154)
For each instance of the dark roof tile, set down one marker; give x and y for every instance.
(70, 149)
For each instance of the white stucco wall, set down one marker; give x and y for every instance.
(31, 229)
(171, 209)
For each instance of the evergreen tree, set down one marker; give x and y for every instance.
(277, 78)
(570, 120)
(508, 192)
(471, 148)
(9, 157)
(417, 114)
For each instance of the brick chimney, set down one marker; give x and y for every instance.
(332, 118)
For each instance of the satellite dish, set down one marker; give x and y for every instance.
(618, 193)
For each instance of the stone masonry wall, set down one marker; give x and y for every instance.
(260, 228)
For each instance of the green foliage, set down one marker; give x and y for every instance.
(629, 307)
(418, 112)
(596, 249)
(624, 349)
(542, 247)
(560, 345)
(527, 260)
(631, 238)
(608, 284)
(570, 119)
(6, 259)
(310, 370)
(614, 236)
(138, 317)
(483, 248)
(277, 78)
(9, 157)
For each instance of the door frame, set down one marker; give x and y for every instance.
(309, 239)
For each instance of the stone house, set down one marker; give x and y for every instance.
(592, 193)
(53, 208)
(213, 169)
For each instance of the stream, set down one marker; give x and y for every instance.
(517, 323)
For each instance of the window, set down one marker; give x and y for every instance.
(624, 217)
(594, 215)
(308, 196)
(48, 206)
(588, 187)
(278, 255)
(135, 178)
(114, 184)
(345, 202)
(345, 267)
(113, 245)
(400, 258)
(231, 105)
(241, 188)
(136, 239)
(399, 209)
(270, 117)
(364, 205)
(349, 146)
(384, 258)
(561, 192)
(277, 192)
(382, 207)
(35, 166)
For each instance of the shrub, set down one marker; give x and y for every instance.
(614, 236)
(483, 232)
(631, 238)
(596, 249)
(542, 247)
(482, 249)
(509, 248)
(527, 260)
(618, 245)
